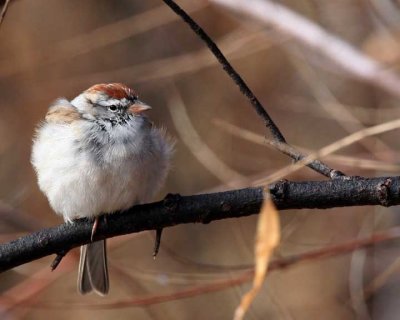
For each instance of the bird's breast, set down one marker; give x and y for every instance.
(108, 143)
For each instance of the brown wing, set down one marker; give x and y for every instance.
(62, 112)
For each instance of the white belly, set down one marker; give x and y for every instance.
(79, 183)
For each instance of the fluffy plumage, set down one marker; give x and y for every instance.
(95, 155)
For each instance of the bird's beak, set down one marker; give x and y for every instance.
(138, 107)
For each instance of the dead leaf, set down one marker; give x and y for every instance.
(267, 239)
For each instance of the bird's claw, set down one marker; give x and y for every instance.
(94, 228)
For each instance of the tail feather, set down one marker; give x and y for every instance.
(93, 271)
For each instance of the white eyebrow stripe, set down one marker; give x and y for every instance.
(110, 102)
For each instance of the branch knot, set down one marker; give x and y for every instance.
(171, 201)
(384, 192)
(279, 189)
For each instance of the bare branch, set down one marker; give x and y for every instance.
(92, 40)
(204, 208)
(276, 133)
(4, 11)
(350, 161)
(344, 55)
(197, 146)
(331, 148)
(229, 69)
(242, 277)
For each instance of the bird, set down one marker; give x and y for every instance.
(99, 153)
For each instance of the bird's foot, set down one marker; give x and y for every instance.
(94, 228)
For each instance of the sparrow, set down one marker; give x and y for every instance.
(99, 153)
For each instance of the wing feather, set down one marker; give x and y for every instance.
(62, 111)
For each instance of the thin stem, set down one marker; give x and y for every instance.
(276, 133)
(228, 69)
(4, 11)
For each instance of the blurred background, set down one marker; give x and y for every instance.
(51, 49)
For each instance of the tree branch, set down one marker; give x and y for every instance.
(348, 58)
(229, 69)
(4, 11)
(204, 208)
(317, 166)
(245, 276)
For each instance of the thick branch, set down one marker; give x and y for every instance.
(204, 208)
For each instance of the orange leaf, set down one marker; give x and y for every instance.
(267, 238)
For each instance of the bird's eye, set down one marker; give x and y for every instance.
(112, 108)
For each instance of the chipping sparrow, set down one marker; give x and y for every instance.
(99, 154)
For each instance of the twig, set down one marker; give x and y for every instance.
(196, 145)
(380, 280)
(24, 292)
(236, 44)
(60, 255)
(229, 69)
(337, 249)
(278, 264)
(94, 39)
(203, 208)
(4, 11)
(331, 148)
(350, 161)
(285, 21)
(276, 133)
(339, 112)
